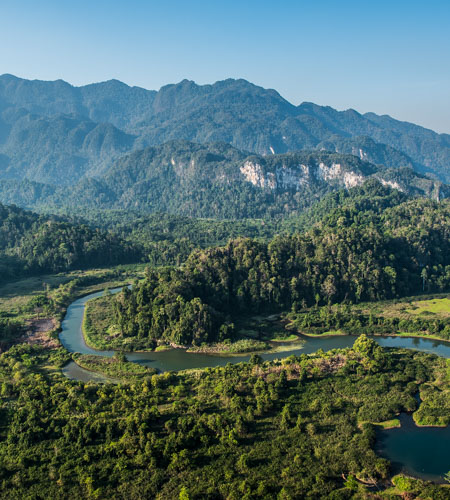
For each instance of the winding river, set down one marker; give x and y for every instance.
(72, 339)
(422, 452)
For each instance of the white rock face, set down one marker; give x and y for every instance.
(286, 177)
(335, 171)
(392, 184)
(254, 173)
(359, 152)
(296, 177)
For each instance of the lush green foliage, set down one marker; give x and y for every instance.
(351, 256)
(352, 320)
(42, 142)
(116, 367)
(216, 180)
(33, 244)
(257, 430)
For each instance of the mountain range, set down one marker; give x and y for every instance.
(112, 145)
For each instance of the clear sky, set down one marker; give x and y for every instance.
(389, 57)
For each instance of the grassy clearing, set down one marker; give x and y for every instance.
(392, 423)
(435, 306)
(15, 296)
(30, 304)
(329, 333)
(162, 348)
(388, 424)
(420, 316)
(286, 338)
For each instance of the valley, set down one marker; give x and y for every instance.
(209, 292)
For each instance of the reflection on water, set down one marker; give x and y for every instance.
(423, 452)
(75, 372)
(178, 359)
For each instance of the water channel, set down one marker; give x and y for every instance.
(420, 451)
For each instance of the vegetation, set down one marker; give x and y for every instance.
(286, 429)
(351, 256)
(32, 303)
(416, 488)
(116, 367)
(414, 316)
(99, 330)
(435, 407)
(31, 244)
(54, 132)
(277, 241)
(239, 347)
(216, 180)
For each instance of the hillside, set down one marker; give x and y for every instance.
(237, 112)
(351, 256)
(34, 244)
(216, 180)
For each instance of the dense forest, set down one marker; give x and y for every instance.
(231, 221)
(352, 256)
(215, 180)
(297, 428)
(33, 244)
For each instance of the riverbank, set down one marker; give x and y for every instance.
(100, 333)
(303, 406)
(243, 346)
(116, 367)
(36, 306)
(426, 317)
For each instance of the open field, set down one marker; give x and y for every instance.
(15, 295)
(432, 307)
(419, 316)
(33, 308)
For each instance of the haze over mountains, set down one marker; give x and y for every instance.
(97, 137)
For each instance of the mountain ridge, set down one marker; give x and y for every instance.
(234, 111)
(218, 180)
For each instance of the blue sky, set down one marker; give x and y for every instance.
(387, 57)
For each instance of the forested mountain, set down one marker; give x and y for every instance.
(33, 244)
(57, 150)
(367, 149)
(234, 111)
(219, 181)
(352, 255)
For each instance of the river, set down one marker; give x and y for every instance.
(72, 339)
(422, 452)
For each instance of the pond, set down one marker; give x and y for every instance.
(422, 452)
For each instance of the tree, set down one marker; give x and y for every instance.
(184, 495)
